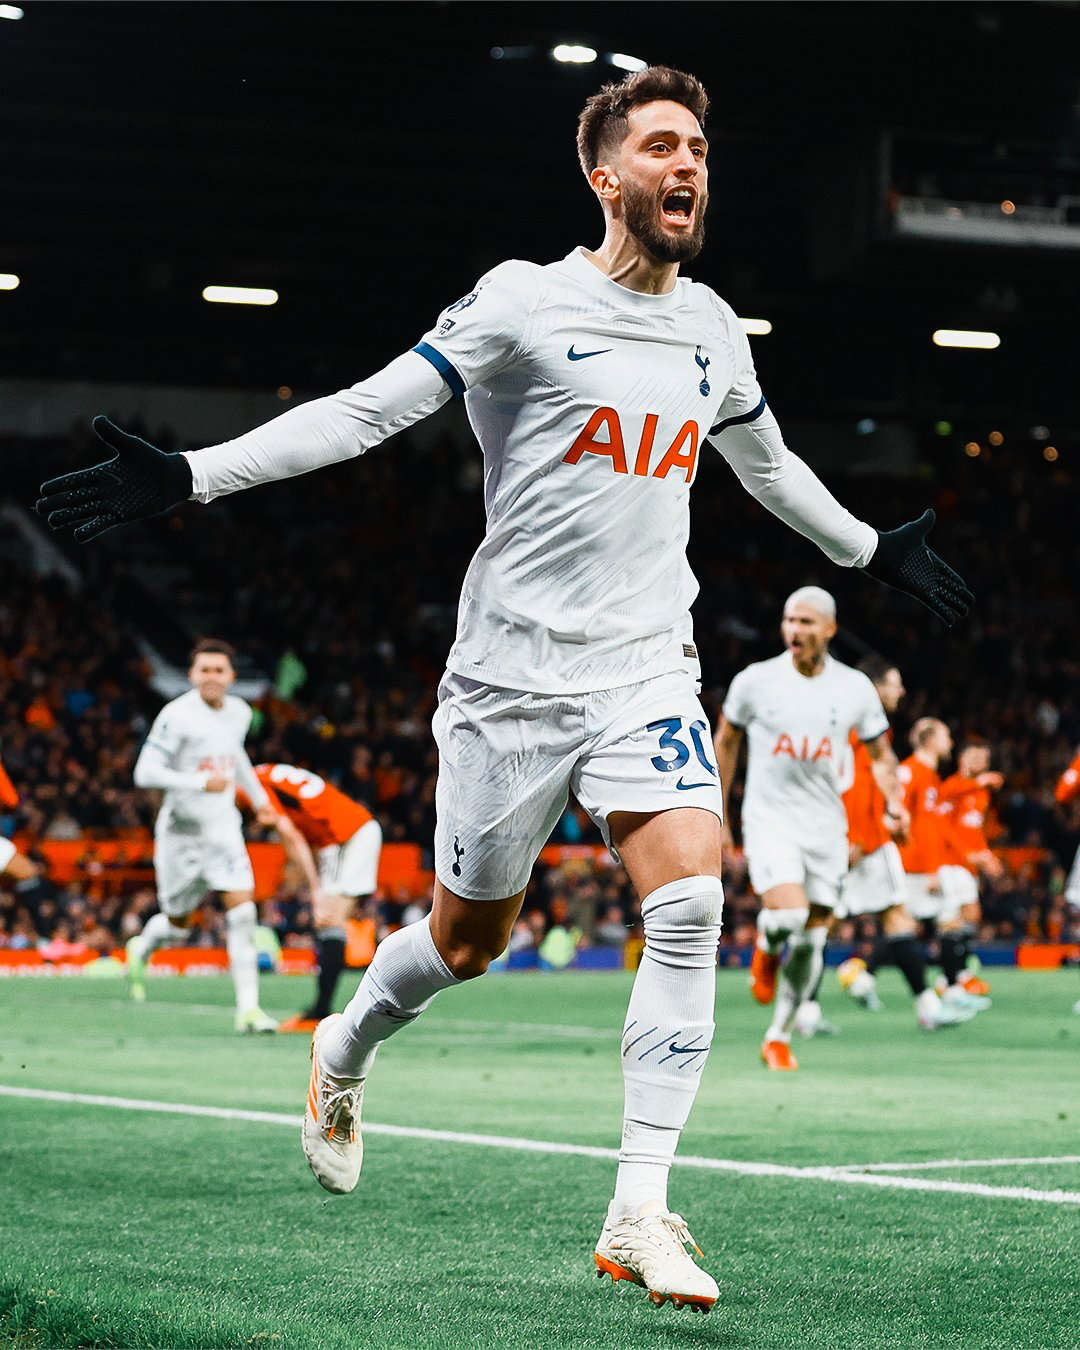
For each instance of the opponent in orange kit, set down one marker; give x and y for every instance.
(347, 840)
(924, 853)
(12, 862)
(964, 800)
(1069, 787)
(876, 883)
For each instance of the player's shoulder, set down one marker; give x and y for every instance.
(516, 277)
(707, 303)
(855, 680)
(238, 707)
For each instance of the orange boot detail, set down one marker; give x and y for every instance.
(777, 1055)
(763, 968)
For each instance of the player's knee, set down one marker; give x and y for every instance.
(467, 960)
(682, 921)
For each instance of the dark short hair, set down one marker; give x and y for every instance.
(213, 645)
(603, 122)
(875, 667)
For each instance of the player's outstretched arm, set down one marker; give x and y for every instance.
(790, 489)
(140, 480)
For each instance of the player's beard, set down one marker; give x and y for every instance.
(641, 214)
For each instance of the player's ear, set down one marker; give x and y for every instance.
(604, 180)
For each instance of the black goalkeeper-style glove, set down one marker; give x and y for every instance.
(902, 560)
(138, 481)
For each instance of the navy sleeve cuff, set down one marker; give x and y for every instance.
(442, 365)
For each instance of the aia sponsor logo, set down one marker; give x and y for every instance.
(785, 745)
(603, 435)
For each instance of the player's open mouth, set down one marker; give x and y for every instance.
(677, 206)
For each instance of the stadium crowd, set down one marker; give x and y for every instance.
(342, 586)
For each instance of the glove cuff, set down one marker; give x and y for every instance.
(177, 480)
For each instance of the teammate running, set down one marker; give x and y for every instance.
(348, 841)
(591, 384)
(876, 883)
(195, 755)
(964, 800)
(798, 710)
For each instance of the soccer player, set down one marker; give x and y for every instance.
(348, 840)
(797, 710)
(876, 883)
(25, 872)
(1068, 787)
(195, 755)
(923, 853)
(591, 384)
(964, 800)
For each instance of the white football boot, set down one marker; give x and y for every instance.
(331, 1130)
(650, 1249)
(934, 1012)
(254, 1022)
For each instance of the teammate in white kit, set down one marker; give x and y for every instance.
(195, 755)
(591, 384)
(797, 710)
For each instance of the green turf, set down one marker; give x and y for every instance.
(133, 1229)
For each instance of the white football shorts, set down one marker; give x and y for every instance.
(7, 852)
(776, 858)
(188, 865)
(959, 886)
(875, 883)
(352, 868)
(508, 759)
(1072, 885)
(927, 903)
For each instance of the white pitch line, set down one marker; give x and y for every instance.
(751, 1169)
(947, 1164)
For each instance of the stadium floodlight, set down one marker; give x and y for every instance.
(572, 54)
(756, 327)
(8, 281)
(240, 295)
(625, 62)
(963, 337)
(10, 12)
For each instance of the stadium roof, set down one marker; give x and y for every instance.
(368, 161)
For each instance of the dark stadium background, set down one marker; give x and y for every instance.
(370, 161)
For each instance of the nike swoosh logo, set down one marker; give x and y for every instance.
(687, 787)
(580, 356)
(686, 1049)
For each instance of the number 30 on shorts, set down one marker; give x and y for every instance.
(675, 753)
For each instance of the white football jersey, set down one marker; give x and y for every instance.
(590, 402)
(194, 742)
(797, 730)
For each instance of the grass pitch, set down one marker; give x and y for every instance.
(143, 1229)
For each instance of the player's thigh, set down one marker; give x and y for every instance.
(505, 759)
(666, 846)
(648, 779)
(470, 933)
(1072, 883)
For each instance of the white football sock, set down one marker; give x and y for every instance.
(668, 1031)
(240, 924)
(800, 971)
(158, 931)
(404, 977)
(776, 926)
